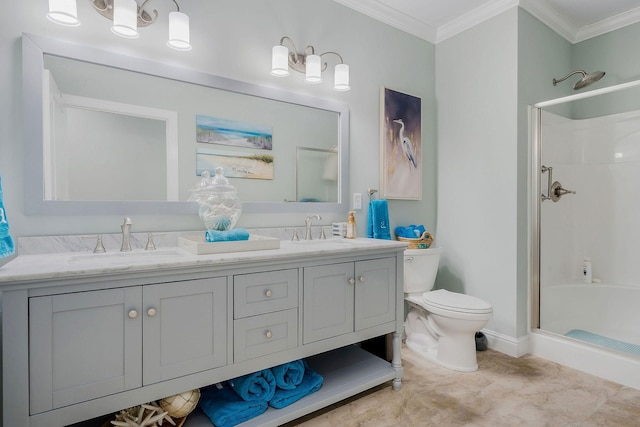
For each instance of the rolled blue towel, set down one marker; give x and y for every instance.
(378, 226)
(7, 246)
(225, 408)
(311, 382)
(410, 231)
(288, 375)
(226, 235)
(256, 386)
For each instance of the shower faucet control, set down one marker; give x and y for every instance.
(555, 190)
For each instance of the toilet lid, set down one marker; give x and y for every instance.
(454, 301)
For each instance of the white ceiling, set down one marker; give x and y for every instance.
(437, 20)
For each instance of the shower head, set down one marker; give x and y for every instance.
(586, 79)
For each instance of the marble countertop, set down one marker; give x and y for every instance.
(64, 265)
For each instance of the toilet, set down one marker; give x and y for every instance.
(441, 325)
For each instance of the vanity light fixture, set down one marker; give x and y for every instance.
(127, 16)
(308, 63)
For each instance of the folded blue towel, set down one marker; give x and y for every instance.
(289, 375)
(311, 382)
(7, 247)
(378, 222)
(256, 386)
(226, 235)
(225, 408)
(410, 231)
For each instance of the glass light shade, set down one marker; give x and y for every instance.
(341, 79)
(313, 69)
(125, 18)
(63, 12)
(280, 61)
(179, 31)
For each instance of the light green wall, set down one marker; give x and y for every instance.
(234, 39)
(476, 92)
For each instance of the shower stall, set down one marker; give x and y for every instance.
(585, 231)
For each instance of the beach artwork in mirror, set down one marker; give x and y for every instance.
(111, 134)
(256, 141)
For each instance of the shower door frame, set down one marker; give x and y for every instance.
(535, 185)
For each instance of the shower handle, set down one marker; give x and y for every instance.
(557, 191)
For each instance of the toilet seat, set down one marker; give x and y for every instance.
(452, 301)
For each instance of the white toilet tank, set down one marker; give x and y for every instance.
(420, 269)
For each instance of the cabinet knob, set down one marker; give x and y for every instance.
(361, 279)
(352, 281)
(132, 314)
(268, 334)
(151, 312)
(268, 293)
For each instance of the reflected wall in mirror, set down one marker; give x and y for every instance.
(112, 134)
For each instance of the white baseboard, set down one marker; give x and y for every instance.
(514, 347)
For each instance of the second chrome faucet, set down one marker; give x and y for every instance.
(307, 223)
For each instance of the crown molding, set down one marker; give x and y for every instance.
(551, 18)
(607, 25)
(540, 9)
(393, 17)
(474, 17)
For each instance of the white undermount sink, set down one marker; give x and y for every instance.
(125, 257)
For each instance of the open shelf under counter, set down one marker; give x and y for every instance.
(347, 371)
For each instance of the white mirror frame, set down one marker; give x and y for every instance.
(33, 50)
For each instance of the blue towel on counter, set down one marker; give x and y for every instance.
(289, 375)
(225, 408)
(311, 382)
(256, 386)
(226, 235)
(7, 246)
(410, 231)
(378, 222)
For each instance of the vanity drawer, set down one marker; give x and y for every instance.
(257, 336)
(260, 293)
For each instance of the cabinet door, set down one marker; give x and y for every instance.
(375, 292)
(328, 301)
(83, 346)
(185, 328)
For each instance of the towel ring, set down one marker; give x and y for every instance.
(371, 192)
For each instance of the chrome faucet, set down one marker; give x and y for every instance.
(308, 225)
(126, 235)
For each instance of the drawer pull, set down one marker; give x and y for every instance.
(132, 314)
(352, 281)
(361, 279)
(268, 334)
(268, 293)
(151, 312)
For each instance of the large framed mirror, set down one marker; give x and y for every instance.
(109, 134)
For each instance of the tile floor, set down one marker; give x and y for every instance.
(505, 391)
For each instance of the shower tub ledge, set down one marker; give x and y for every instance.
(603, 309)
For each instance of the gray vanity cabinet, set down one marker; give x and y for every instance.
(86, 345)
(347, 297)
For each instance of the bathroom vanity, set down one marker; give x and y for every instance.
(86, 334)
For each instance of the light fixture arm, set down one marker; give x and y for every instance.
(556, 81)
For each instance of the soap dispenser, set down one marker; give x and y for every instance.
(351, 226)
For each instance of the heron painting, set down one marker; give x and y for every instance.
(401, 146)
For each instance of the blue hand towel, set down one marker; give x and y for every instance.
(256, 386)
(288, 375)
(225, 408)
(311, 382)
(226, 235)
(7, 247)
(378, 222)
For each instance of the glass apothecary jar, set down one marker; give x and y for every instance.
(218, 201)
